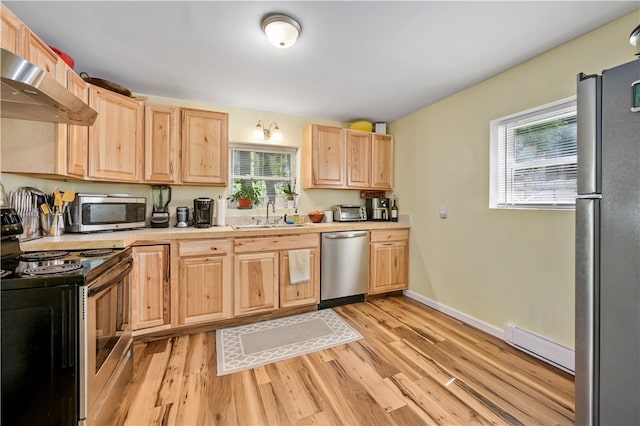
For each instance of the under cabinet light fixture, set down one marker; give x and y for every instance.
(281, 30)
(267, 133)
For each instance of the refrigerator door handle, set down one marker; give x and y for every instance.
(589, 197)
(587, 310)
(589, 115)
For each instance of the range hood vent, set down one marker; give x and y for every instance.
(29, 93)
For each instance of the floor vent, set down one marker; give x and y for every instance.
(548, 351)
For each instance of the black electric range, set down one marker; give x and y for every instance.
(41, 309)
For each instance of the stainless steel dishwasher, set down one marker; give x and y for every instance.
(344, 271)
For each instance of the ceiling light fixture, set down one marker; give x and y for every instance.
(634, 38)
(267, 133)
(281, 30)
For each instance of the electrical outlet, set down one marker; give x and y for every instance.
(443, 212)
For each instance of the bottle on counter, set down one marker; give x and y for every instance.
(296, 216)
(394, 211)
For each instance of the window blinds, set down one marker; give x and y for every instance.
(538, 158)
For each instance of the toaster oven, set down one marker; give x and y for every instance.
(349, 213)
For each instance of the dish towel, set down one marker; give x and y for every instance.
(299, 266)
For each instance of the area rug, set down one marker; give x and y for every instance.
(250, 346)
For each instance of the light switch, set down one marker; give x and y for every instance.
(443, 212)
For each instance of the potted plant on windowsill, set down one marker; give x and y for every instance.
(247, 194)
(289, 193)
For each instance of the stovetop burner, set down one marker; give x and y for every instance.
(95, 252)
(42, 255)
(53, 269)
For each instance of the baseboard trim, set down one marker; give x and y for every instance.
(545, 350)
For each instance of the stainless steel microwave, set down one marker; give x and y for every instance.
(99, 212)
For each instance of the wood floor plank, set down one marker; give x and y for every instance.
(171, 385)
(415, 366)
(444, 407)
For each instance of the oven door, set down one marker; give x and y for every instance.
(105, 338)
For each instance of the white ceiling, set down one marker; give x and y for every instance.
(376, 60)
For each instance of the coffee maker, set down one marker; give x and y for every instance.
(378, 209)
(161, 195)
(203, 212)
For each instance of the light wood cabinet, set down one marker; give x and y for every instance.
(150, 289)
(78, 136)
(205, 147)
(161, 143)
(389, 260)
(116, 138)
(382, 169)
(304, 293)
(204, 285)
(38, 53)
(358, 159)
(347, 159)
(255, 282)
(323, 157)
(10, 29)
(261, 273)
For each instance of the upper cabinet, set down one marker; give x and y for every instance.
(358, 159)
(205, 147)
(161, 143)
(347, 159)
(323, 157)
(116, 138)
(381, 161)
(78, 136)
(10, 30)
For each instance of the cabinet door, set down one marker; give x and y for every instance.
(304, 293)
(358, 159)
(204, 289)
(150, 287)
(382, 161)
(324, 157)
(10, 26)
(38, 53)
(205, 147)
(161, 138)
(115, 140)
(78, 136)
(255, 282)
(389, 266)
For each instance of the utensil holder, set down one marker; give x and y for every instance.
(52, 224)
(30, 225)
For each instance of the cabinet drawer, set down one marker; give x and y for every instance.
(389, 235)
(246, 245)
(204, 247)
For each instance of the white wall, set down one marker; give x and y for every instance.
(497, 266)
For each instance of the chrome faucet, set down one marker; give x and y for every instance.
(273, 206)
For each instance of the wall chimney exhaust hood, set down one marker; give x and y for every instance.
(29, 93)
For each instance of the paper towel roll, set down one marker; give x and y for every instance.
(221, 209)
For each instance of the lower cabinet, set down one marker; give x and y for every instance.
(150, 289)
(261, 273)
(204, 286)
(389, 260)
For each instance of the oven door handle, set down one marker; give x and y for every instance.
(111, 277)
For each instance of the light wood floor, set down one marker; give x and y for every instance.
(415, 366)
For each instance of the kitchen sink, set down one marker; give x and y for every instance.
(276, 226)
(241, 227)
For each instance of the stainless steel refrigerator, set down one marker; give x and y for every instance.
(608, 248)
